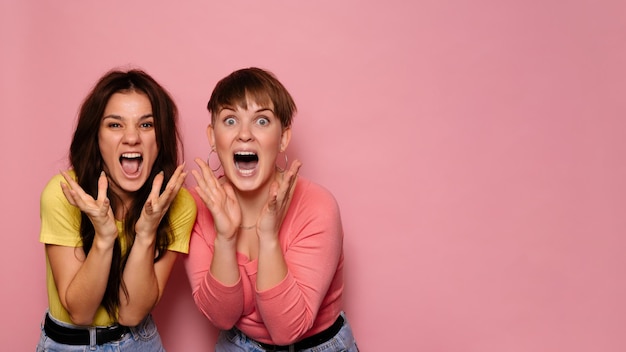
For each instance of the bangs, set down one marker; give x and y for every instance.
(240, 92)
(243, 87)
(259, 97)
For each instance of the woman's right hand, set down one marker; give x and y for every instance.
(220, 199)
(98, 210)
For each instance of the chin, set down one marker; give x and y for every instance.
(132, 185)
(250, 184)
(131, 188)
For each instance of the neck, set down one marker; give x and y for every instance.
(120, 203)
(251, 204)
(251, 207)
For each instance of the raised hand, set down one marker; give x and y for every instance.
(158, 203)
(97, 210)
(220, 199)
(275, 209)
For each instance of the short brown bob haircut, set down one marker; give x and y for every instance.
(256, 85)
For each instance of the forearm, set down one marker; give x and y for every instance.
(222, 305)
(84, 293)
(141, 282)
(290, 307)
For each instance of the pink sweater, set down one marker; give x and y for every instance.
(306, 302)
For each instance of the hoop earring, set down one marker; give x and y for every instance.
(208, 162)
(286, 164)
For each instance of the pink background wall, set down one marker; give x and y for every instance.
(476, 149)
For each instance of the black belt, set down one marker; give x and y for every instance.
(75, 337)
(310, 341)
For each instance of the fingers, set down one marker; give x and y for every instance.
(212, 196)
(70, 181)
(230, 192)
(208, 178)
(272, 201)
(157, 182)
(295, 167)
(70, 189)
(282, 190)
(68, 193)
(208, 186)
(160, 202)
(288, 182)
(98, 210)
(103, 185)
(77, 197)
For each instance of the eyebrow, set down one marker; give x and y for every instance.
(233, 109)
(118, 117)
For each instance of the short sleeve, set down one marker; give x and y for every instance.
(182, 217)
(60, 221)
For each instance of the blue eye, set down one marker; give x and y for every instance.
(229, 121)
(263, 121)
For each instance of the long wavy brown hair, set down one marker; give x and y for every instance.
(86, 159)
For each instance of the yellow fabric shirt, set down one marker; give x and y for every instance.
(60, 225)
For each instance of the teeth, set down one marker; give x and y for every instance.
(131, 155)
(245, 172)
(245, 153)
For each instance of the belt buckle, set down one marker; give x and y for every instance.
(109, 334)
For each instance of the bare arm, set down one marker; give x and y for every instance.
(81, 280)
(144, 279)
(145, 282)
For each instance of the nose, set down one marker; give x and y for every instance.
(131, 136)
(245, 134)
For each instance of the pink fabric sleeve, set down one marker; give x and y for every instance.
(312, 241)
(222, 305)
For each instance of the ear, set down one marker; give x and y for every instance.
(285, 138)
(211, 136)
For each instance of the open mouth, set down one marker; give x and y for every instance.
(131, 163)
(246, 162)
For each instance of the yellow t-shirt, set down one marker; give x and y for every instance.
(60, 225)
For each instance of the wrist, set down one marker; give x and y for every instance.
(146, 240)
(104, 243)
(269, 243)
(268, 236)
(225, 241)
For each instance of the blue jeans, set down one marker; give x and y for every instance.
(142, 338)
(234, 340)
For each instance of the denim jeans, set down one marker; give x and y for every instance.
(234, 340)
(142, 338)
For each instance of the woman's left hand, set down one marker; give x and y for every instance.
(157, 204)
(275, 209)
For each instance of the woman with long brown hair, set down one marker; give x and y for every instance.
(112, 224)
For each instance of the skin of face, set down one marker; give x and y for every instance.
(253, 131)
(127, 137)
